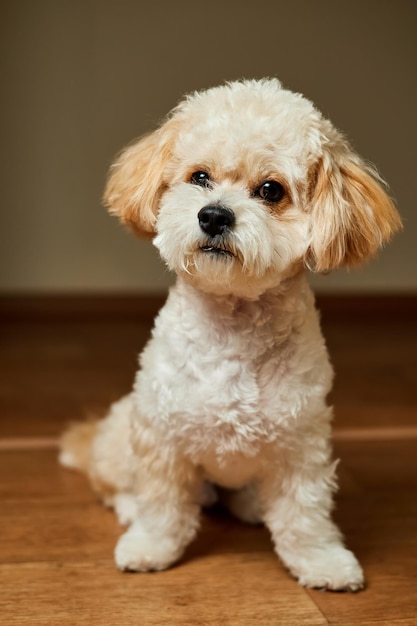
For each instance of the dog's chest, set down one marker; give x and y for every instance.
(206, 380)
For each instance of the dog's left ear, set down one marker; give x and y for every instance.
(137, 179)
(351, 213)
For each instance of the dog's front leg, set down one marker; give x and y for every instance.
(167, 513)
(297, 509)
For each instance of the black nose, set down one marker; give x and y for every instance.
(214, 219)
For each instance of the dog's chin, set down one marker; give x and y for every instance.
(215, 264)
(220, 272)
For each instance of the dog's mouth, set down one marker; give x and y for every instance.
(216, 251)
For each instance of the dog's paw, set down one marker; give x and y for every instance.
(140, 551)
(333, 568)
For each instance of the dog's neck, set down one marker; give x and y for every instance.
(292, 299)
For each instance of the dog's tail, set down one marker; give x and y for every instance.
(76, 445)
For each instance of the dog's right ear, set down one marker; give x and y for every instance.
(137, 180)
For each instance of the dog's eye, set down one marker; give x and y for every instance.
(200, 178)
(271, 191)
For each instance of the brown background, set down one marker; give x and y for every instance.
(82, 78)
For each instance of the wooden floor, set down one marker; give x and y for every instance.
(56, 540)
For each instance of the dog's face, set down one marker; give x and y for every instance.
(246, 184)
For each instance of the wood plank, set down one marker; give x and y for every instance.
(380, 465)
(375, 434)
(388, 597)
(111, 306)
(57, 543)
(29, 443)
(52, 374)
(222, 589)
(377, 511)
(30, 475)
(55, 307)
(382, 622)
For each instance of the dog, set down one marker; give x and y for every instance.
(242, 188)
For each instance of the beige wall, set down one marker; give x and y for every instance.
(81, 78)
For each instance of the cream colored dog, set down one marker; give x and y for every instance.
(242, 188)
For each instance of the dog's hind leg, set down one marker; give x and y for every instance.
(103, 450)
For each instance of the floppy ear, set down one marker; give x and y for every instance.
(351, 213)
(137, 180)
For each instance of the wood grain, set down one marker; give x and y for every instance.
(57, 541)
(217, 590)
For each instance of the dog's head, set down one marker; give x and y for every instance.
(246, 184)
